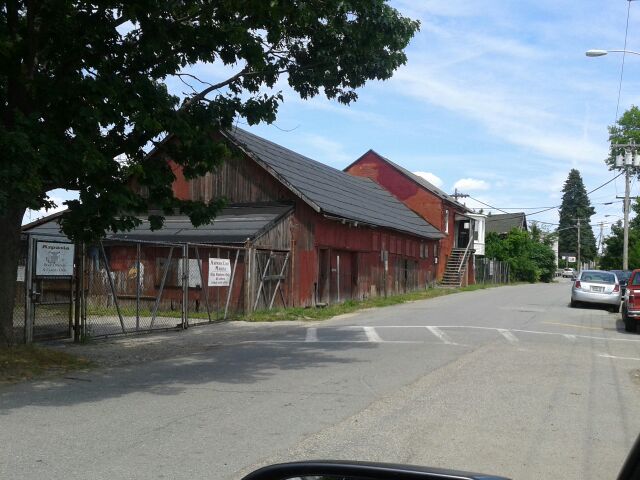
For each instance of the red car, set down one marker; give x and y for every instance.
(631, 303)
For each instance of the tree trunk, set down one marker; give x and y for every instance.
(10, 228)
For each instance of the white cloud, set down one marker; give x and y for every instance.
(471, 184)
(430, 177)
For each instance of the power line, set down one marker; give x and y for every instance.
(624, 54)
(588, 193)
(545, 209)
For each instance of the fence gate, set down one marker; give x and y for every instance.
(49, 273)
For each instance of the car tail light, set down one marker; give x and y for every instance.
(616, 288)
(578, 284)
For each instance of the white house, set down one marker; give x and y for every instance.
(479, 228)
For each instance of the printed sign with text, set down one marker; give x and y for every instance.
(54, 259)
(219, 272)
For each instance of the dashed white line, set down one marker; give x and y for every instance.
(312, 335)
(571, 338)
(604, 355)
(511, 338)
(372, 335)
(441, 335)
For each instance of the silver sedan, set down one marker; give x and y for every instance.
(596, 287)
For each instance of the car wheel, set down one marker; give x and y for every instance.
(614, 308)
(573, 304)
(630, 325)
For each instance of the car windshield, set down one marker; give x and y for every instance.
(635, 280)
(598, 277)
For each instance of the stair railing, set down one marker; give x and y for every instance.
(465, 257)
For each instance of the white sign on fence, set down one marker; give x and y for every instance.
(54, 259)
(219, 272)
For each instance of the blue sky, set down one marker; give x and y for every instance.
(497, 98)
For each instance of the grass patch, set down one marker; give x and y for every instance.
(25, 362)
(300, 313)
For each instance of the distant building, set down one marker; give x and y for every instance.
(479, 227)
(503, 223)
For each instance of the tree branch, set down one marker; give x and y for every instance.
(211, 88)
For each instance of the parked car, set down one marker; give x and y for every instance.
(568, 273)
(631, 303)
(597, 287)
(623, 278)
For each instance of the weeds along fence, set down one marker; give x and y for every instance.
(491, 271)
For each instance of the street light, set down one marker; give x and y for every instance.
(628, 159)
(601, 53)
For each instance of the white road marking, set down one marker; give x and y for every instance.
(441, 335)
(312, 335)
(258, 342)
(537, 332)
(571, 338)
(372, 335)
(508, 335)
(604, 355)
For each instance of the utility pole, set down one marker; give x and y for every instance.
(457, 195)
(629, 163)
(600, 237)
(578, 263)
(625, 244)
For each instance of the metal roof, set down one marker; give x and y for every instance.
(331, 191)
(504, 223)
(234, 224)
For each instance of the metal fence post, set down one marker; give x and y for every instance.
(185, 285)
(205, 286)
(137, 286)
(78, 288)
(28, 286)
(233, 276)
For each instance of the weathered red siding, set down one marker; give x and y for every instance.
(426, 204)
(359, 248)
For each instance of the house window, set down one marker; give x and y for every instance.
(476, 231)
(446, 221)
(435, 250)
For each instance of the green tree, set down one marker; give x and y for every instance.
(626, 130)
(84, 97)
(612, 255)
(530, 259)
(575, 205)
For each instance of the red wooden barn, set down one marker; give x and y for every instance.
(434, 206)
(348, 237)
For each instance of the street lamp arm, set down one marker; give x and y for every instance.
(600, 53)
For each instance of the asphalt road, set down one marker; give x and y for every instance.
(507, 381)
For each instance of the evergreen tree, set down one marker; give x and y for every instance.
(576, 205)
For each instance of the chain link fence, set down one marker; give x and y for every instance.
(491, 271)
(130, 287)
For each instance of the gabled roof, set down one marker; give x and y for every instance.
(331, 191)
(417, 179)
(505, 222)
(234, 224)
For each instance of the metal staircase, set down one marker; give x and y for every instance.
(456, 267)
